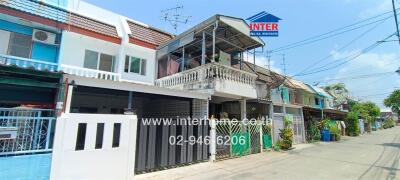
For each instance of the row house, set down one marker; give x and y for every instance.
(286, 100)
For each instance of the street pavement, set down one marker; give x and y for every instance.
(371, 156)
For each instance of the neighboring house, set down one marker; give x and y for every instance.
(285, 99)
(109, 67)
(386, 115)
(340, 95)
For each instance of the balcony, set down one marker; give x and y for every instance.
(90, 73)
(213, 78)
(28, 63)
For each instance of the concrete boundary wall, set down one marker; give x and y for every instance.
(107, 162)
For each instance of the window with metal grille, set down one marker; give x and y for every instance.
(20, 45)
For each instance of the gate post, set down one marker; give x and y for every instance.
(213, 138)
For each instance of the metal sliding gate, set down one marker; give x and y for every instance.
(34, 129)
(172, 143)
(298, 130)
(236, 138)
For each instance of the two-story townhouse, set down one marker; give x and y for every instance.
(285, 99)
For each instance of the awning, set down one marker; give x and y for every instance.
(12, 75)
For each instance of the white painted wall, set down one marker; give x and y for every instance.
(90, 163)
(73, 53)
(5, 38)
(143, 53)
(74, 45)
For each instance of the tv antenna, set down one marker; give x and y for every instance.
(174, 17)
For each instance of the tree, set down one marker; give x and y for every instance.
(369, 111)
(353, 128)
(393, 101)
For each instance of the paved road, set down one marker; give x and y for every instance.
(374, 156)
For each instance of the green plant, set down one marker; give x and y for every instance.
(313, 132)
(352, 124)
(286, 135)
(336, 131)
(389, 123)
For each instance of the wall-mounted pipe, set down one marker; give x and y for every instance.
(214, 32)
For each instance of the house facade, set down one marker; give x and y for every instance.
(83, 84)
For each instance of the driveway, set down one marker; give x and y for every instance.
(372, 156)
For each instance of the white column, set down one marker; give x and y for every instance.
(69, 98)
(243, 114)
(213, 140)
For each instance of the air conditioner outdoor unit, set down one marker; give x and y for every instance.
(44, 36)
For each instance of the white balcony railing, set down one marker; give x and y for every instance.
(90, 73)
(208, 72)
(27, 63)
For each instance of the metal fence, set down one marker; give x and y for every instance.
(35, 130)
(238, 138)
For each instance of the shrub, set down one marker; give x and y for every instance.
(286, 135)
(352, 125)
(389, 123)
(313, 133)
(336, 131)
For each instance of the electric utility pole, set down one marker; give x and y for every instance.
(284, 64)
(395, 19)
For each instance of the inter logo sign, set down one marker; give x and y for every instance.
(264, 24)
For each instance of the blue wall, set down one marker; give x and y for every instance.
(9, 26)
(40, 51)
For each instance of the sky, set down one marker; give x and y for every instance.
(369, 77)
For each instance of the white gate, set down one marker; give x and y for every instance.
(298, 130)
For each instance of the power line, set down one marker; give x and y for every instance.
(369, 48)
(359, 77)
(292, 45)
(340, 49)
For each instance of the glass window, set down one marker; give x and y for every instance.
(91, 59)
(99, 135)
(80, 137)
(116, 135)
(143, 67)
(135, 65)
(106, 63)
(20, 45)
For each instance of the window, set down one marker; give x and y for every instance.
(80, 137)
(99, 61)
(20, 45)
(116, 135)
(317, 101)
(135, 65)
(99, 135)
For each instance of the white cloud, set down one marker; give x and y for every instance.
(374, 87)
